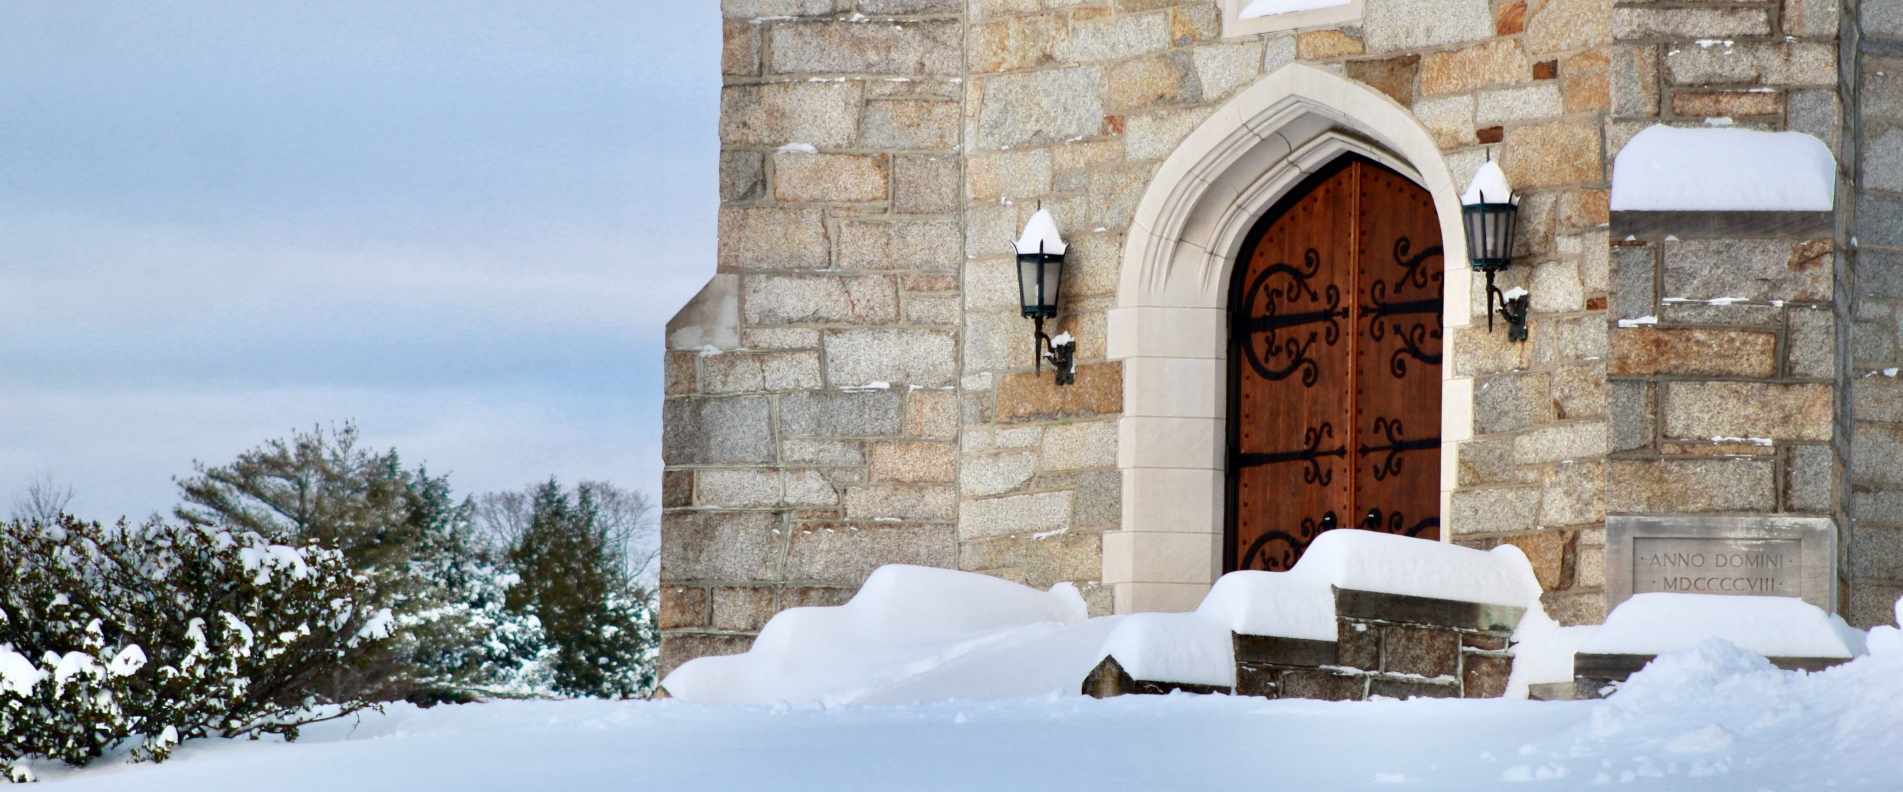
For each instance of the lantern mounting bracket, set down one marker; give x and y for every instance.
(1513, 309)
(1063, 356)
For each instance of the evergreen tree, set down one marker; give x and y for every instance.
(597, 620)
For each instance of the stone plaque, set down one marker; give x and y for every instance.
(1747, 556)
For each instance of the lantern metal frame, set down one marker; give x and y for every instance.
(1489, 229)
(1038, 301)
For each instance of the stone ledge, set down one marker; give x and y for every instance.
(1426, 611)
(1274, 650)
(1617, 667)
(1109, 679)
(1723, 225)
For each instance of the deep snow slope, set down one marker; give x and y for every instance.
(1713, 718)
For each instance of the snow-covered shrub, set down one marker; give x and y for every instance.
(159, 633)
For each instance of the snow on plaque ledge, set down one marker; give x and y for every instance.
(1668, 169)
(1263, 8)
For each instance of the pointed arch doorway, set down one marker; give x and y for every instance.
(1336, 331)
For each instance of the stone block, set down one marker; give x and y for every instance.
(683, 607)
(740, 372)
(1484, 675)
(1398, 25)
(1634, 81)
(822, 114)
(846, 554)
(1586, 80)
(1883, 158)
(677, 489)
(1807, 479)
(1512, 105)
(726, 431)
(1038, 562)
(742, 176)
(1317, 45)
(1498, 62)
(1494, 510)
(1575, 606)
(780, 338)
(1573, 494)
(1727, 104)
(833, 299)
(1023, 42)
(1099, 499)
(1074, 446)
(1811, 344)
(1876, 553)
(931, 414)
(678, 649)
(867, 47)
(1155, 135)
(799, 177)
(1190, 24)
(995, 474)
(737, 488)
(1008, 175)
(1562, 339)
(742, 607)
(1408, 687)
(681, 373)
(1168, 78)
(1819, 18)
(1040, 107)
(1709, 410)
(931, 309)
(1580, 391)
(1632, 418)
(799, 451)
(1550, 553)
(915, 7)
(1357, 645)
(1449, 119)
(930, 245)
(1590, 566)
(1553, 154)
(814, 596)
(1323, 685)
(1880, 18)
(1769, 63)
(1114, 193)
(760, 238)
(740, 47)
(910, 124)
(912, 357)
(1693, 351)
(1568, 441)
(1424, 651)
(732, 546)
(1562, 25)
(1876, 455)
(1015, 515)
(921, 503)
(1877, 399)
(1392, 76)
(831, 413)
(996, 340)
(1222, 68)
(1652, 22)
(914, 462)
(1690, 485)
(1816, 113)
(1028, 396)
(1878, 96)
(1583, 209)
(1872, 602)
(1508, 402)
(1556, 287)
(1485, 462)
(760, 9)
(1478, 352)
(1120, 37)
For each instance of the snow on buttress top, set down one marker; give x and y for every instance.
(1722, 169)
(1262, 8)
(1040, 228)
(1489, 186)
(903, 622)
(1665, 622)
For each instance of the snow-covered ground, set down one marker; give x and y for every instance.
(1712, 718)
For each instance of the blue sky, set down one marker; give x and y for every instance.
(460, 224)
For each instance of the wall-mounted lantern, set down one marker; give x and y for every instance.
(1488, 211)
(1040, 279)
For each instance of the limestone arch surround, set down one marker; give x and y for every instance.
(1169, 326)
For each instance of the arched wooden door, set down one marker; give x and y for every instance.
(1334, 367)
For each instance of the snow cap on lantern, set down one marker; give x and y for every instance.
(1489, 186)
(1040, 235)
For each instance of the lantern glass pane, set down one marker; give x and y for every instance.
(1027, 284)
(1053, 281)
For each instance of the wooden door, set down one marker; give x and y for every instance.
(1334, 367)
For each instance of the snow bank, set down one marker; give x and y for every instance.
(1669, 169)
(1543, 651)
(1262, 8)
(1660, 623)
(903, 622)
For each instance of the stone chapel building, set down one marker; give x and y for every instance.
(856, 385)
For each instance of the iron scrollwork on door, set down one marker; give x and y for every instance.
(1271, 557)
(1311, 453)
(1413, 337)
(1394, 523)
(1390, 465)
(1282, 355)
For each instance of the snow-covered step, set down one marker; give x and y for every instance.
(1789, 632)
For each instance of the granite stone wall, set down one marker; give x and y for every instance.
(1873, 217)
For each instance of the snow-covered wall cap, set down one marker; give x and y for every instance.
(1176, 647)
(1284, 604)
(1040, 228)
(1489, 186)
(1667, 169)
(1661, 623)
(1262, 8)
(1395, 564)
